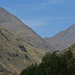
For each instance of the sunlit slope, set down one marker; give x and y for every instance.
(15, 53)
(12, 23)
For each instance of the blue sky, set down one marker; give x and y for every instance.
(45, 17)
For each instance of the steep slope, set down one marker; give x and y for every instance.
(13, 24)
(16, 54)
(63, 39)
(72, 47)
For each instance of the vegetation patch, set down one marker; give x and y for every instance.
(56, 63)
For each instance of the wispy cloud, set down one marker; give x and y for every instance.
(41, 5)
(50, 2)
(33, 23)
(44, 21)
(60, 18)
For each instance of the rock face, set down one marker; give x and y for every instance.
(12, 23)
(16, 54)
(63, 39)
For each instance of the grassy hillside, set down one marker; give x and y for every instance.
(15, 53)
(12, 23)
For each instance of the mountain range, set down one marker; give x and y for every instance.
(12, 23)
(20, 46)
(63, 39)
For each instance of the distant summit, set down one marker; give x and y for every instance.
(12, 23)
(63, 39)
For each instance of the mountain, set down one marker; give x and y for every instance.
(63, 39)
(12, 23)
(16, 54)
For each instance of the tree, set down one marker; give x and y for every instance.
(55, 63)
(30, 70)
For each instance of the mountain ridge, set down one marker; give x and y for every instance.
(63, 39)
(13, 24)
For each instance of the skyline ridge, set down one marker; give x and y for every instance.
(45, 17)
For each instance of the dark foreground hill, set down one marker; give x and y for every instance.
(72, 48)
(56, 63)
(16, 54)
(12, 23)
(63, 39)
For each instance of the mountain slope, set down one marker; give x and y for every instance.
(63, 39)
(72, 47)
(13, 24)
(16, 54)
